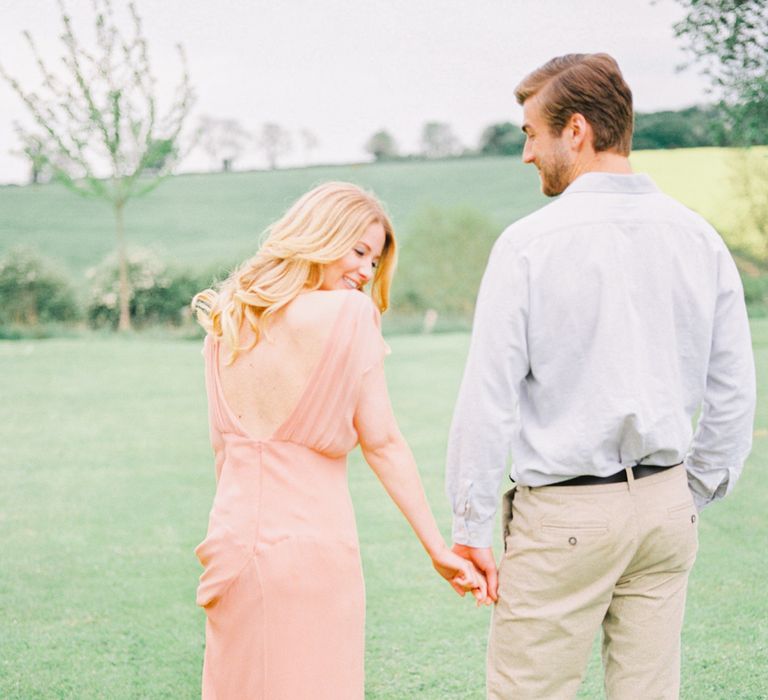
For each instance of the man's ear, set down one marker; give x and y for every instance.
(579, 132)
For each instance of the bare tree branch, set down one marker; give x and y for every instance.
(97, 129)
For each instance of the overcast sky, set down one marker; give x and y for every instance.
(346, 68)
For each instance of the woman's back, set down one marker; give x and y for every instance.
(282, 540)
(264, 384)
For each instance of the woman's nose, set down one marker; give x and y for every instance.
(366, 270)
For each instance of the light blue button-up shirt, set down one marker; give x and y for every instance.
(605, 321)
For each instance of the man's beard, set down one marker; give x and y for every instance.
(555, 173)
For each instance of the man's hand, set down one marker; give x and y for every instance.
(482, 558)
(461, 574)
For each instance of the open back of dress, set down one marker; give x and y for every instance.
(282, 585)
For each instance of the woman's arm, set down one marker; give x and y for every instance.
(388, 454)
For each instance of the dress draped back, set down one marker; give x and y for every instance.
(282, 584)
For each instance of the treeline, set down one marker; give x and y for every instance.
(686, 128)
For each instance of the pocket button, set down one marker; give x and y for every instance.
(693, 518)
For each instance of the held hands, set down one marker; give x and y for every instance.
(483, 559)
(461, 574)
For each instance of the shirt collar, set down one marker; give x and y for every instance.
(634, 183)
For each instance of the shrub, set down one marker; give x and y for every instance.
(442, 261)
(502, 139)
(158, 294)
(756, 294)
(33, 290)
(754, 279)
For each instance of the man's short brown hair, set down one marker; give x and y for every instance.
(590, 84)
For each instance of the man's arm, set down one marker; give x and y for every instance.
(723, 436)
(485, 416)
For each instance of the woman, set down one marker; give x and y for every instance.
(295, 379)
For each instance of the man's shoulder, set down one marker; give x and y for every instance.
(570, 213)
(538, 223)
(674, 206)
(670, 210)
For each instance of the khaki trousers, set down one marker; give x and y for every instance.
(580, 557)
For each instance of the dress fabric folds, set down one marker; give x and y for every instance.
(282, 584)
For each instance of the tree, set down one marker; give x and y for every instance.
(749, 173)
(687, 128)
(159, 153)
(438, 140)
(382, 145)
(97, 123)
(224, 140)
(275, 142)
(729, 39)
(503, 139)
(309, 142)
(32, 151)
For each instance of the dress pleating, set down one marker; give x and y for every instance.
(282, 584)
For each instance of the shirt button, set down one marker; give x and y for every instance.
(572, 540)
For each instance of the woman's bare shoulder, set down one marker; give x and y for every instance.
(323, 306)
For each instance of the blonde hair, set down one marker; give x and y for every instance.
(318, 229)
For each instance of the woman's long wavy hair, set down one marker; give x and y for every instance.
(318, 229)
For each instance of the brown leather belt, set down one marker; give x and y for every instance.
(639, 471)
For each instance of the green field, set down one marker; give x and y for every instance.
(706, 180)
(107, 475)
(107, 479)
(202, 221)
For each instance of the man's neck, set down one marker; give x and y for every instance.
(602, 162)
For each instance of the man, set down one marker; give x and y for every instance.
(604, 322)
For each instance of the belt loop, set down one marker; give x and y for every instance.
(630, 478)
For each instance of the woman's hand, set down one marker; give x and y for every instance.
(484, 561)
(461, 574)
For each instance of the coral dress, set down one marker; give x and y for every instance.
(282, 586)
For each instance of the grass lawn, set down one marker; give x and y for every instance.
(107, 480)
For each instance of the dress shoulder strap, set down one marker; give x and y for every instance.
(217, 410)
(353, 347)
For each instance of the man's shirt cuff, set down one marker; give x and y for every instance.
(473, 534)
